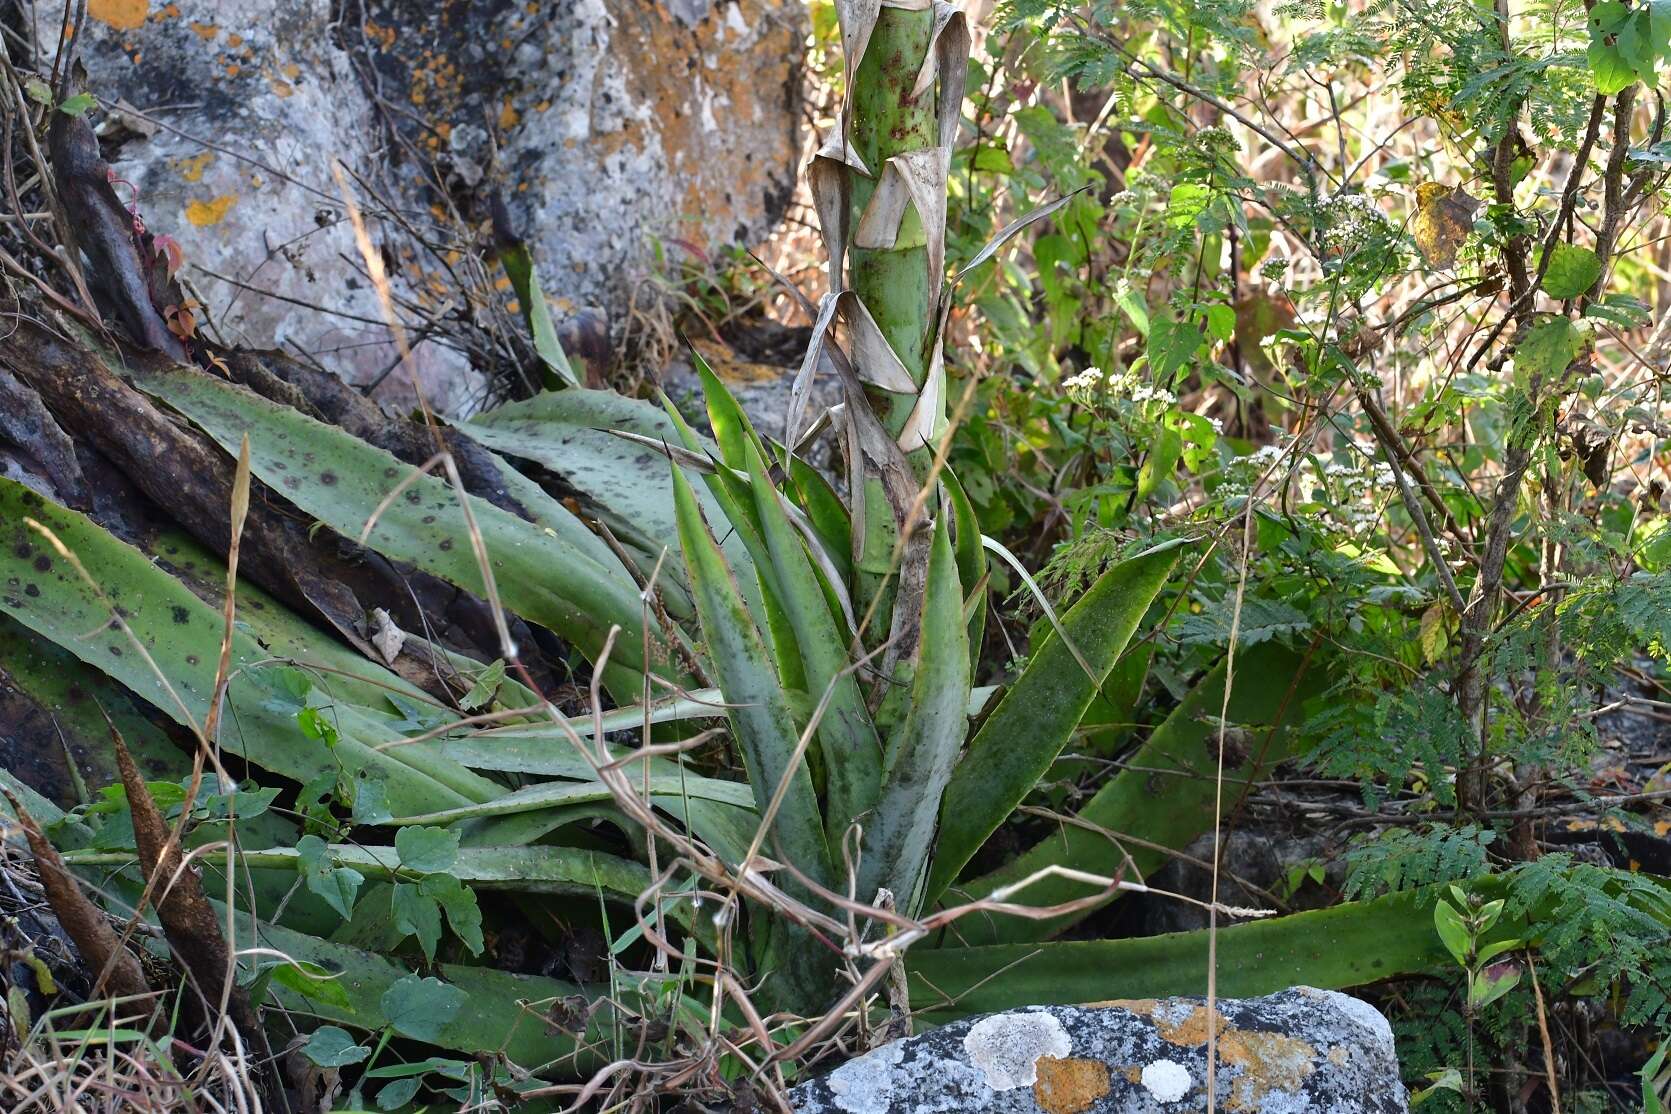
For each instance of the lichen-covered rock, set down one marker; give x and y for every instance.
(611, 123)
(1296, 1051)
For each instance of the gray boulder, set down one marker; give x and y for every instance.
(612, 123)
(1296, 1051)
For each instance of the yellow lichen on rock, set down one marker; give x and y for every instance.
(1069, 1086)
(123, 14)
(202, 214)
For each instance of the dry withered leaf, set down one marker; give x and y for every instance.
(1444, 217)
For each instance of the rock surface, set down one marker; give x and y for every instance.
(1295, 1051)
(609, 123)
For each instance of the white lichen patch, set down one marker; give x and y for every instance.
(1166, 1080)
(865, 1085)
(1006, 1047)
(1365, 1015)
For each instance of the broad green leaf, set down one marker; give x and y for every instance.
(921, 750)
(846, 736)
(759, 709)
(336, 885)
(341, 481)
(1332, 949)
(420, 1008)
(1549, 347)
(331, 1047)
(393, 1096)
(1572, 270)
(181, 634)
(426, 850)
(78, 104)
(1168, 810)
(1612, 69)
(1453, 933)
(464, 916)
(417, 914)
(1037, 715)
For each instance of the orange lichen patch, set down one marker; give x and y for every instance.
(1069, 1086)
(170, 12)
(205, 31)
(728, 367)
(291, 70)
(508, 115)
(1269, 1062)
(206, 213)
(1338, 1055)
(234, 39)
(281, 88)
(191, 169)
(1192, 1030)
(232, 69)
(123, 14)
(1133, 1074)
(383, 36)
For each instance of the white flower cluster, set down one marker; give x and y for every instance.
(1085, 383)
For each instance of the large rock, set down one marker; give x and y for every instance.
(611, 123)
(1291, 1052)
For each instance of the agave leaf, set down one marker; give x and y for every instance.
(921, 750)
(732, 430)
(626, 487)
(759, 707)
(1171, 811)
(1037, 715)
(1332, 949)
(342, 480)
(846, 736)
(551, 794)
(519, 266)
(826, 514)
(971, 558)
(180, 633)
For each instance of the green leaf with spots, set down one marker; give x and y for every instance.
(1549, 347)
(335, 477)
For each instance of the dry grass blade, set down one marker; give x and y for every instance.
(118, 970)
(188, 919)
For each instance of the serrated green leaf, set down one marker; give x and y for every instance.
(1572, 270)
(175, 625)
(1332, 949)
